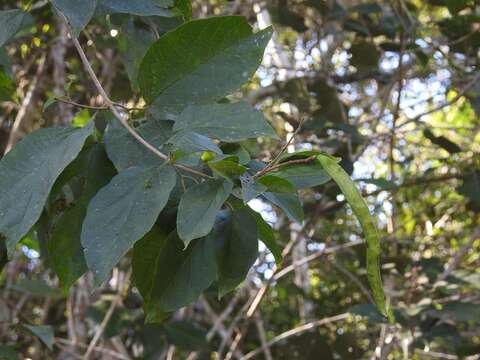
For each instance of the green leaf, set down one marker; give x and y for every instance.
(303, 176)
(227, 168)
(125, 151)
(251, 189)
(133, 44)
(78, 12)
(226, 122)
(190, 142)
(462, 311)
(199, 206)
(289, 203)
(237, 249)
(34, 287)
(276, 184)
(8, 353)
(65, 250)
(122, 213)
(267, 235)
(44, 333)
(186, 335)
(185, 7)
(137, 7)
(7, 86)
(201, 61)
(27, 174)
(176, 277)
(12, 22)
(360, 209)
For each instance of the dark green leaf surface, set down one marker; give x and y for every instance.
(137, 7)
(44, 333)
(65, 250)
(251, 189)
(27, 174)
(78, 12)
(226, 122)
(290, 203)
(201, 61)
(190, 142)
(122, 213)
(276, 184)
(8, 353)
(125, 151)
(304, 175)
(176, 277)
(12, 22)
(267, 235)
(227, 168)
(198, 208)
(237, 249)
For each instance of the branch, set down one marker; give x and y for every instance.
(112, 107)
(297, 331)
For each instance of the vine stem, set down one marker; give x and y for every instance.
(112, 107)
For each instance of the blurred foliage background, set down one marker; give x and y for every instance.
(390, 86)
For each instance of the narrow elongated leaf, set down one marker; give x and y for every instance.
(44, 333)
(174, 277)
(226, 122)
(65, 250)
(122, 213)
(360, 209)
(289, 203)
(198, 208)
(12, 22)
(201, 61)
(125, 151)
(237, 249)
(78, 12)
(137, 7)
(27, 174)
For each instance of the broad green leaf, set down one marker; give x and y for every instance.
(462, 311)
(33, 287)
(237, 249)
(289, 203)
(137, 7)
(303, 176)
(12, 22)
(251, 189)
(122, 213)
(227, 168)
(27, 174)
(186, 335)
(125, 151)
(78, 12)
(199, 206)
(360, 209)
(65, 250)
(267, 235)
(133, 44)
(176, 277)
(44, 333)
(226, 122)
(276, 184)
(201, 61)
(189, 142)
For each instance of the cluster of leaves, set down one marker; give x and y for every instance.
(94, 193)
